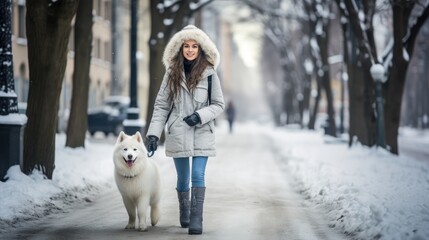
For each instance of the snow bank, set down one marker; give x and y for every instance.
(78, 175)
(366, 192)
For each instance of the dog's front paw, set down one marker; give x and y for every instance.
(130, 226)
(143, 228)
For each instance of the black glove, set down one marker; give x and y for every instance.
(152, 144)
(192, 119)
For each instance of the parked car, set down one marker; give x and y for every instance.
(108, 118)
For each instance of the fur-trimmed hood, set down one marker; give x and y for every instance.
(194, 33)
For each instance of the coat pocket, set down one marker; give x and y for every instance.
(201, 93)
(175, 136)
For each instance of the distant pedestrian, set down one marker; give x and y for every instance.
(230, 113)
(188, 101)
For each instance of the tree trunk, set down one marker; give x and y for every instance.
(156, 72)
(394, 87)
(48, 29)
(315, 109)
(326, 82)
(362, 54)
(306, 97)
(78, 123)
(288, 94)
(156, 68)
(361, 112)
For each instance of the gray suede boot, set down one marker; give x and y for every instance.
(197, 202)
(184, 208)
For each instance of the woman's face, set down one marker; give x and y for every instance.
(190, 50)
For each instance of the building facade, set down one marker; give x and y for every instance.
(101, 57)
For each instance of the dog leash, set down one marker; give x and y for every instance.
(150, 154)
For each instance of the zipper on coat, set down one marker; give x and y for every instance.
(169, 113)
(172, 125)
(210, 126)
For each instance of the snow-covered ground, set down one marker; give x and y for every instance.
(79, 174)
(365, 192)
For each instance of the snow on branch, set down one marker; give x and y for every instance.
(408, 40)
(350, 8)
(197, 6)
(168, 21)
(273, 12)
(413, 31)
(169, 3)
(274, 39)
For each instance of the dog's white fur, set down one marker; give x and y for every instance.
(138, 180)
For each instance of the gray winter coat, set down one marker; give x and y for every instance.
(181, 139)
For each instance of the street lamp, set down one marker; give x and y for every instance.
(377, 73)
(11, 122)
(133, 123)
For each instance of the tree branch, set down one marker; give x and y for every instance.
(410, 39)
(199, 5)
(354, 21)
(271, 12)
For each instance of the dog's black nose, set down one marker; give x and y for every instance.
(130, 157)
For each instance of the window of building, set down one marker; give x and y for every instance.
(21, 21)
(22, 84)
(98, 46)
(107, 85)
(107, 52)
(99, 5)
(107, 10)
(92, 97)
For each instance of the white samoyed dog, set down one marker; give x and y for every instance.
(138, 180)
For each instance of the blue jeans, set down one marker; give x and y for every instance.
(183, 172)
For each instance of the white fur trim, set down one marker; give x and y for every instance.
(194, 33)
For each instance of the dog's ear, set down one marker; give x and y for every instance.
(138, 136)
(121, 137)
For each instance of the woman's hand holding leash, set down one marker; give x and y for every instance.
(152, 145)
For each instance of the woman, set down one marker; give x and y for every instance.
(183, 104)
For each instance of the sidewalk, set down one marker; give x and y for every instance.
(414, 144)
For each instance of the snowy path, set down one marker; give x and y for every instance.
(248, 197)
(414, 149)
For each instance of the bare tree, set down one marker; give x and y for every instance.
(273, 75)
(167, 17)
(314, 19)
(278, 29)
(395, 61)
(415, 103)
(48, 25)
(406, 27)
(78, 124)
(318, 17)
(360, 55)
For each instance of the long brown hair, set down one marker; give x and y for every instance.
(177, 72)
